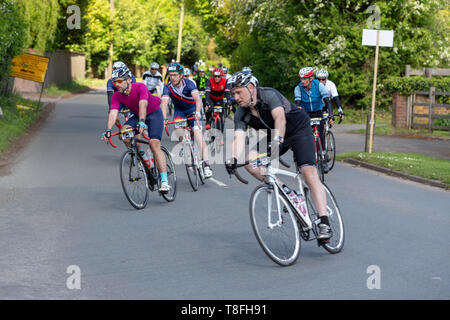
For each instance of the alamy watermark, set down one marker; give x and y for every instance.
(74, 21)
(374, 280)
(73, 282)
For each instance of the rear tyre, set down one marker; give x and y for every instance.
(191, 168)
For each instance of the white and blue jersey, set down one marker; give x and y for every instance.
(181, 97)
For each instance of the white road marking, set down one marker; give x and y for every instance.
(219, 183)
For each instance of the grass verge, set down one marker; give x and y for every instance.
(412, 133)
(74, 86)
(17, 119)
(409, 163)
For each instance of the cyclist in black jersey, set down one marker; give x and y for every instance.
(267, 109)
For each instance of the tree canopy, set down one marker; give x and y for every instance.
(274, 38)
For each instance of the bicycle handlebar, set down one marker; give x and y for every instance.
(123, 131)
(239, 177)
(176, 121)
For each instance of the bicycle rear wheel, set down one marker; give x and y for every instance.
(336, 242)
(280, 240)
(319, 159)
(133, 178)
(171, 177)
(191, 167)
(331, 149)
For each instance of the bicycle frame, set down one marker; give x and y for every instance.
(271, 173)
(188, 140)
(134, 149)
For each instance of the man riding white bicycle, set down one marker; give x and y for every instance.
(266, 109)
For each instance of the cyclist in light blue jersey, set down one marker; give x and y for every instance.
(312, 96)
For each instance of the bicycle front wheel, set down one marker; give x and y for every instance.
(331, 149)
(134, 180)
(191, 167)
(336, 242)
(277, 234)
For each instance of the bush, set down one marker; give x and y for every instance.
(12, 36)
(407, 85)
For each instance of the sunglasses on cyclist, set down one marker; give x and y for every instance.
(321, 79)
(118, 81)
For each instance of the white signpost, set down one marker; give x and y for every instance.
(377, 38)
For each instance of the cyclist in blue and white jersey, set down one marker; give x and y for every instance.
(322, 76)
(186, 101)
(153, 79)
(111, 88)
(312, 96)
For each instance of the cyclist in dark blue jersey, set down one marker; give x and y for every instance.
(186, 101)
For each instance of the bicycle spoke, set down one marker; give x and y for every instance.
(280, 240)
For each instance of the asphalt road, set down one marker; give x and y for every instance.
(62, 209)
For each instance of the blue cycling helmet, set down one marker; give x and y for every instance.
(175, 67)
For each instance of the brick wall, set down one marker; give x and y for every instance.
(399, 110)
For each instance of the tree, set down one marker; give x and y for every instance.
(12, 36)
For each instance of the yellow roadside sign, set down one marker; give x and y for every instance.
(29, 67)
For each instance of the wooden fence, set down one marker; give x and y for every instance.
(425, 112)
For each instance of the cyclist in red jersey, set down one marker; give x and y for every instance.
(216, 90)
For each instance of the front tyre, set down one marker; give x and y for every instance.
(331, 149)
(133, 178)
(279, 238)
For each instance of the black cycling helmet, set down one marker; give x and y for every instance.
(175, 67)
(242, 79)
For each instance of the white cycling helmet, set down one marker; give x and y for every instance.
(306, 72)
(154, 65)
(322, 74)
(242, 79)
(187, 72)
(121, 72)
(118, 64)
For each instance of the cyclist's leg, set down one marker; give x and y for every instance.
(131, 123)
(198, 138)
(155, 122)
(178, 114)
(303, 149)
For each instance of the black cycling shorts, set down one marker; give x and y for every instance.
(302, 145)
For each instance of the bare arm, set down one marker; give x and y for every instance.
(280, 121)
(238, 146)
(198, 102)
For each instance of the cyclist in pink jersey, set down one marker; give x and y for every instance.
(146, 114)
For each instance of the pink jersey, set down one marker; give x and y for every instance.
(138, 92)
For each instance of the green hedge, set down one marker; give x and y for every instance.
(407, 85)
(12, 36)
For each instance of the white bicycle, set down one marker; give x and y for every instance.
(279, 224)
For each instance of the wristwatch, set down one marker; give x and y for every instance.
(279, 139)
